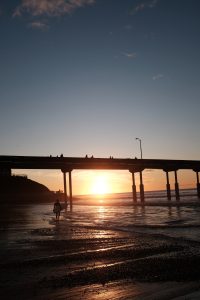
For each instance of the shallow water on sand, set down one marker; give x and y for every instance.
(181, 222)
(26, 222)
(95, 245)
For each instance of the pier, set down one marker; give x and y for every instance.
(68, 164)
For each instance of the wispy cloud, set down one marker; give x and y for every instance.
(153, 3)
(50, 7)
(144, 5)
(128, 27)
(130, 55)
(38, 25)
(157, 76)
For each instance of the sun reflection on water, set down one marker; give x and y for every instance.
(101, 211)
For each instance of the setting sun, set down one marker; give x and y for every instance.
(100, 186)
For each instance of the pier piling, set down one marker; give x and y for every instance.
(70, 188)
(141, 189)
(134, 188)
(176, 186)
(65, 188)
(198, 185)
(168, 186)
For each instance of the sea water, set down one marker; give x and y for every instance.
(21, 223)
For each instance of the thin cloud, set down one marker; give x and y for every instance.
(144, 5)
(157, 76)
(38, 25)
(153, 3)
(49, 8)
(130, 55)
(128, 27)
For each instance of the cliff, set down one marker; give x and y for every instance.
(22, 189)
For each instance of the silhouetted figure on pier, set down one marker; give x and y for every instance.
(57, 209)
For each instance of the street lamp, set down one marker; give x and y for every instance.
(140, 146)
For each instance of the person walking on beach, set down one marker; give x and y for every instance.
(57, 209)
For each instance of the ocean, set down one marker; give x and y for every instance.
(26, 222)
(105, 248)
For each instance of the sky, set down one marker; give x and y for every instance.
(84, 77)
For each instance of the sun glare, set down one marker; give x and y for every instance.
(100, 186)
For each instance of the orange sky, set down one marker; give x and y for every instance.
(95, 182)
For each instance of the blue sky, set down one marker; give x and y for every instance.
(88, 76)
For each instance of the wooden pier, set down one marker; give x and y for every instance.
(68, 164)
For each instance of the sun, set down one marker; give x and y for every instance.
(100, 186)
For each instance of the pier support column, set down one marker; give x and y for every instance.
(141, 189)
(70, 189)
(168, 186)
(65, 188)
(198, 184)
(176, 186)
(134, 188)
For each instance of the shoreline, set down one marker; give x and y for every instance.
(92, 262)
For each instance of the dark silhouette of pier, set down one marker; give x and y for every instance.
(68, 164)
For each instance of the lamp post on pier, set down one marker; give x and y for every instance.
(140, 141)
(141, 180)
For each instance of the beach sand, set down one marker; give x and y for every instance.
(68, 261)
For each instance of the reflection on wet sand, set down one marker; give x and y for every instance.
(97, 251)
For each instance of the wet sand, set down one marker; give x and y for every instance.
(68, 261)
